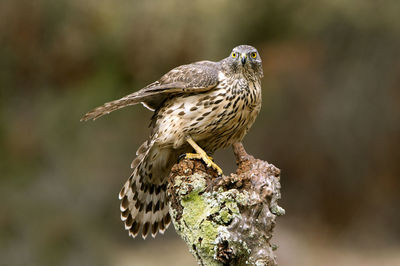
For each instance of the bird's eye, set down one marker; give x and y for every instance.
(253, 55)
(234, 55)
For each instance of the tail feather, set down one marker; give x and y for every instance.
(144, 196)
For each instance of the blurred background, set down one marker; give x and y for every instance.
(330, 121)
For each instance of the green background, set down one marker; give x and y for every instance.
(330, 121)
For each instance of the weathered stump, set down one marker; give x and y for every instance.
(226, 220)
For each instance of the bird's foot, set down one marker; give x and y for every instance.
(207, 159)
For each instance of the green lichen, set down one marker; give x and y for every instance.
(278, 210)
(225, 215)
(205, 219)
(197, 184)
(198, 229)
(205, 215)
(208, 233)
(228, 226)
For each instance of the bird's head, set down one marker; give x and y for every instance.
(245, 59)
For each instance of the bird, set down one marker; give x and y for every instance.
(198, 108)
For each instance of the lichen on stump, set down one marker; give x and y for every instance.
(226, 220)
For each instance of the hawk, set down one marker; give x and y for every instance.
(201, 107)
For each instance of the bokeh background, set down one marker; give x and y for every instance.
(330, 121)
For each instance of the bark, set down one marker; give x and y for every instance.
(226, 220)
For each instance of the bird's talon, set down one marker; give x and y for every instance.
(181, 157)
(191, 156)
(205, 158)
(201, 154)
(213, 165)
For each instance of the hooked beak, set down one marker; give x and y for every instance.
(243, 58)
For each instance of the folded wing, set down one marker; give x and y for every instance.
(193, 78)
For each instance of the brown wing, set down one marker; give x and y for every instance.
(197, 77)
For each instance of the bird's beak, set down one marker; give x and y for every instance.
(243, 58)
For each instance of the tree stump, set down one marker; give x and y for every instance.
(226, 220)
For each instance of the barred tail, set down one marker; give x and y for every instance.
(144, 196)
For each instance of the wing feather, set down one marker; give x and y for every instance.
(193, 78)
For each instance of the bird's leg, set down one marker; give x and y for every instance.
(201, 154)
(240, 153)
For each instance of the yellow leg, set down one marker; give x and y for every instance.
(201, 154)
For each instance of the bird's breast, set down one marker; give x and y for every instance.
(215, 119)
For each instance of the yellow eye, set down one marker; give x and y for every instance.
(234, 55)
(253, 55)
